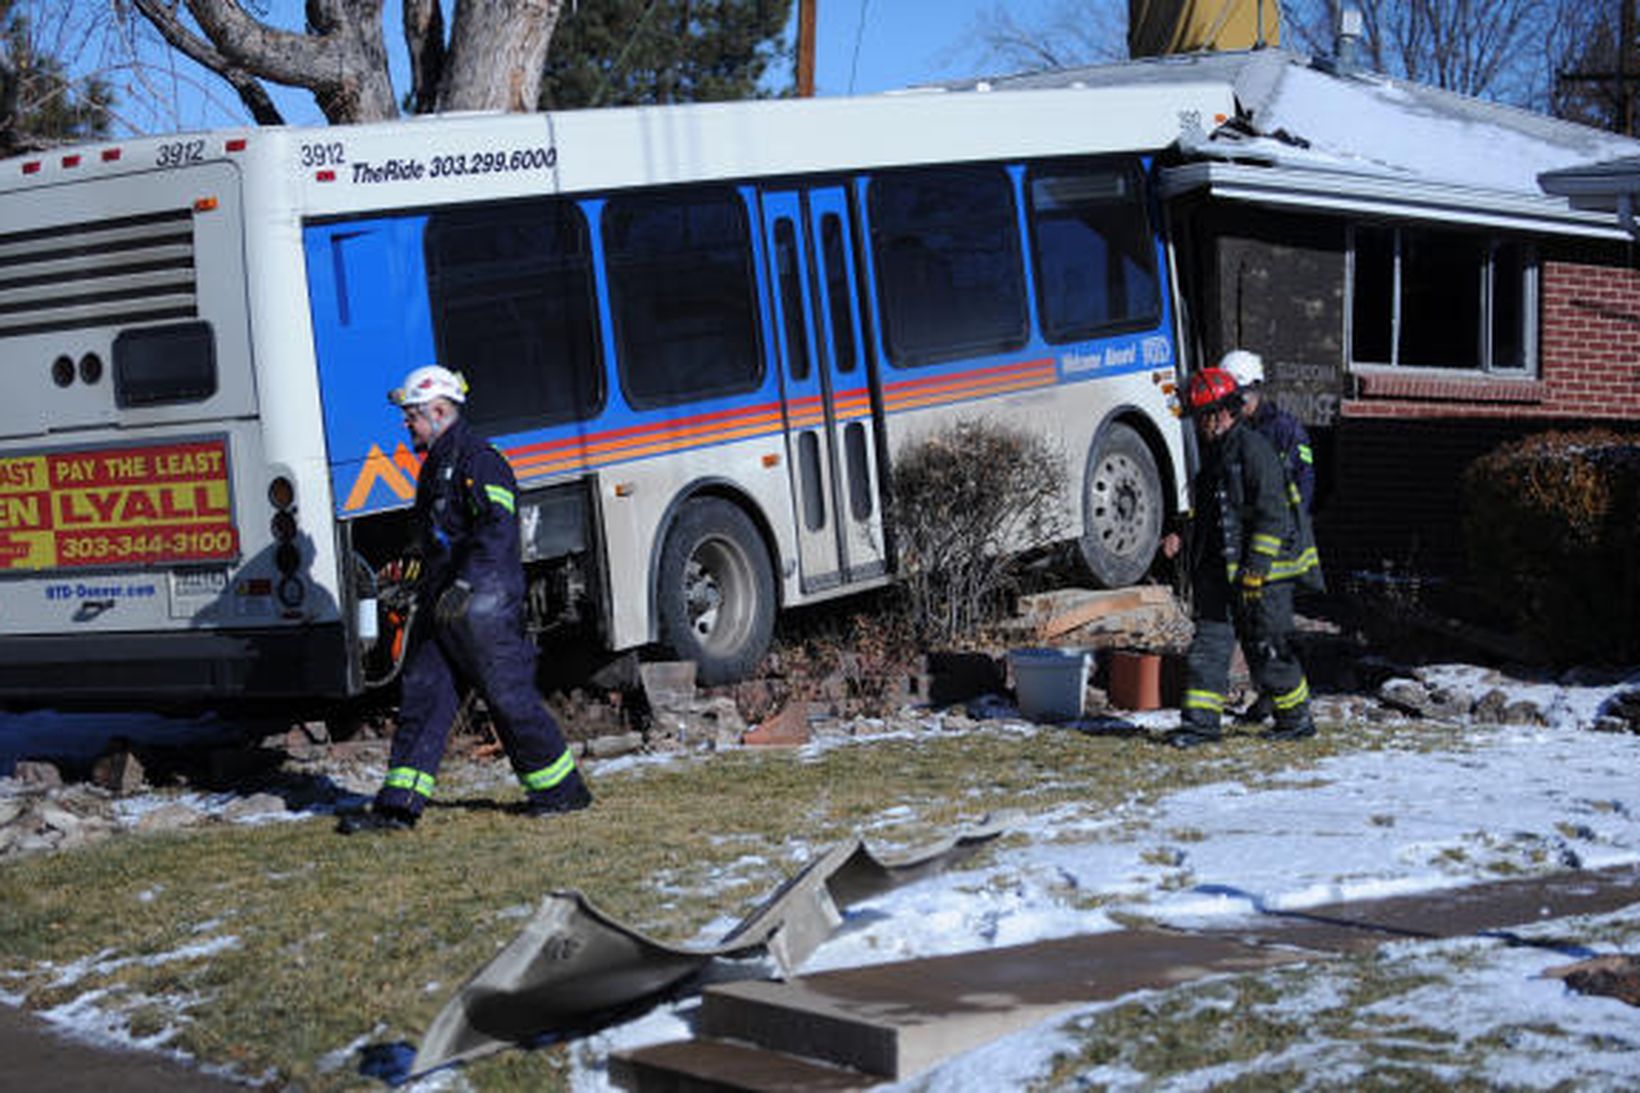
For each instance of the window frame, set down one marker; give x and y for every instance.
(616, 203)
(501, 213)
(948, 352)
(1133, 170)
(1486, 289)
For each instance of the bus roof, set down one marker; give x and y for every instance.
(431, 160)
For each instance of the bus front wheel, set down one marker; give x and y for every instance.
(1121, 508)
(715, 593)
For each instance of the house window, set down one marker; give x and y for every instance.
(1425, 298)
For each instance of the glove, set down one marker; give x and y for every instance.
(1252, 588)
(400, 571)
(452, 604)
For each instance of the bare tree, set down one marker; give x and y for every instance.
(1594, 81)
(493, 60)
(1495, 49)
(1068, 33)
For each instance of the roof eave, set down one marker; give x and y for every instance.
(1378, 195)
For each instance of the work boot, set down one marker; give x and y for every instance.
(375, 819)
(1298, 730)
(570, 797)
(1257, 712)
(1190, 737)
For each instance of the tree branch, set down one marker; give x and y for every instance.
(302, 60)
(424, 36)
(251, 93)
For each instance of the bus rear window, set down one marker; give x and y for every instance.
(680, 277)
(513, 306)
(948, 260)
(157, 365)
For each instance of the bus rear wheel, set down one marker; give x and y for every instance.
(715, 593)
(1121, 508)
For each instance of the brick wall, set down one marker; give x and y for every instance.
(1394, 493)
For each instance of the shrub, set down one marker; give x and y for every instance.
(1552, 529)
(964, 501)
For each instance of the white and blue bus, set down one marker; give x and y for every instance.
(699, 333)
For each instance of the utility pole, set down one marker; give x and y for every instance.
(1625, 76)
(805, 48)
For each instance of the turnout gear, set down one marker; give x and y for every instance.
(470, 630)
(1292, 443)
(1252, 547)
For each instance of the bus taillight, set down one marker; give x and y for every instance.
(287, 557)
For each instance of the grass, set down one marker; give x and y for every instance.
(280, 944)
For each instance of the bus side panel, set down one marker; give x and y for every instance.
(367, 288)
(1064, 392)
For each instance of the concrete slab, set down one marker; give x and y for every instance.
(693, 1065)
(1494, 908)
(893, 1020)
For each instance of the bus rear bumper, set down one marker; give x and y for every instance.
(189, 667)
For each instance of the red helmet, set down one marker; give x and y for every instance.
(1210, 388)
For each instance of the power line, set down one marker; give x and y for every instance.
(859, 36)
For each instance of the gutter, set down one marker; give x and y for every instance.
(1398, 197)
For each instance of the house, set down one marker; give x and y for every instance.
(1417, 295)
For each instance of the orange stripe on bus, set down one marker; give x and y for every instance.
(597, 445)
(764, 411)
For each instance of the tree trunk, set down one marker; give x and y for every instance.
(498, 53)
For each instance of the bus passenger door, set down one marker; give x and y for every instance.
(831, 430)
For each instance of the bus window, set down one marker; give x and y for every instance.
(837, 290)
(1096, 262)
(791, 297)
(948, 261)
(511, 292)
(157, 365)
(680, 281)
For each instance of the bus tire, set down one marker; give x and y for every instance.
(715, 591)
(1121, 508)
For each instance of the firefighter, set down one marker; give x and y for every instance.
(1291, 442)
(1281, 429)
(1251, 545)
(467, 566)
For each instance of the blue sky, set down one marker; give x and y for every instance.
(864, 46)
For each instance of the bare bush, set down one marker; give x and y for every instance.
(964, 502)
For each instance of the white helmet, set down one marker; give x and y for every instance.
(1244, 366)
(427, 383)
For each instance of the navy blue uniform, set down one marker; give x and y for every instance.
(1248, 525)
(470, 627)
(1292, 443)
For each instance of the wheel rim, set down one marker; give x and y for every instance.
(1120, 508)
(717, 592)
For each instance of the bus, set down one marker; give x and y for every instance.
(699, 333)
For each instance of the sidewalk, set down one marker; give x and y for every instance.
(39, 1060)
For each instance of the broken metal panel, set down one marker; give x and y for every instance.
(573, 964)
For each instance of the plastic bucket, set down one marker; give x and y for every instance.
(1050, 683)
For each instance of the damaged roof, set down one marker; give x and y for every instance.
(1312, 132)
